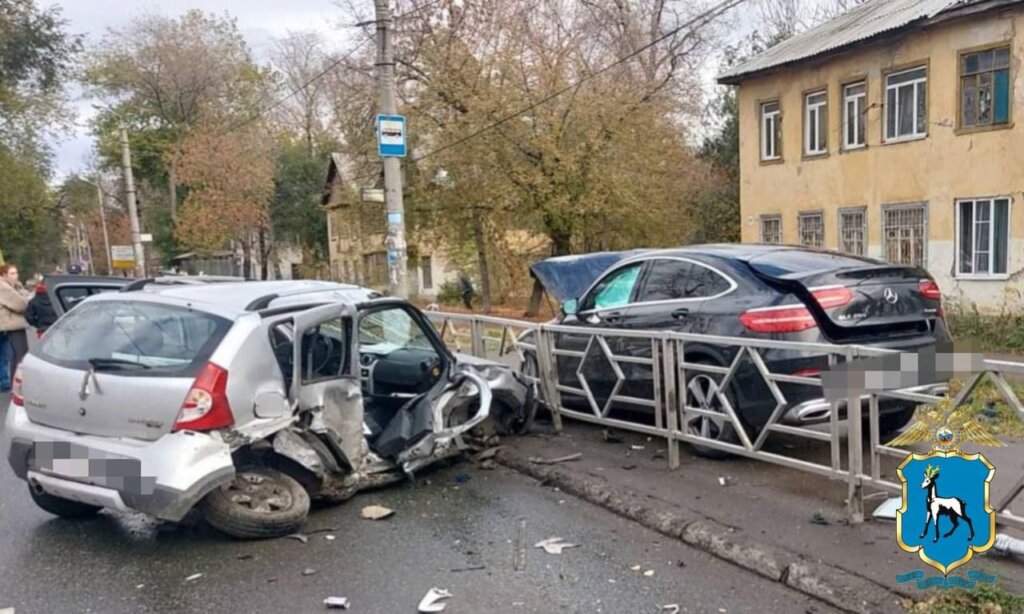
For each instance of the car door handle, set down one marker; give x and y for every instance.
(682, 312)
(613, 318)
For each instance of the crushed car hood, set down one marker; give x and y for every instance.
(565, 277)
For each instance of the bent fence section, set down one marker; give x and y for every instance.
(681, 387)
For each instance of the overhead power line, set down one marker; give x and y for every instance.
(700, 19)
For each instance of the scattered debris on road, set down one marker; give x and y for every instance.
(818, 518)
(340, 603)
(193, 577)
(298, 537)
(554, 545)
(635, 568)
(309, 571)
(886, 510)
(487, 465)
(724, 480)
(629, 467)
(610, 437)
(636, 447)
(519, 548)
(462, 478)
(468, 568)
(554, 461)
(671, 608)
(376, 512)
(245, 557)
(488, 453)
(329, 538)
(429, 603)
(649, 573)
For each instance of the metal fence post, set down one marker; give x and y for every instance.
(669, 402)
(855, 450)
(876, 462)
(476, 328)
(547, 367)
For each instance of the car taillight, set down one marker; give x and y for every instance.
(834, 296)
(930, 289)
(807, 373)
(17, 395)
(206, 405)
(785, 319)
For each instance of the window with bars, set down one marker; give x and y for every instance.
(906, 104)
(812, 229)
(771, 229)
(853, 231)
(983, 235)
(904, 231)
(985, 87)
(771, 131)
(816, 124)
(854, 107)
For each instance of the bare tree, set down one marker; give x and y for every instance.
(301, 61)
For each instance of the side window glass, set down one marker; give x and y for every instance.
(69, 297)
(666, 281)
(615, 290)
(703, 282)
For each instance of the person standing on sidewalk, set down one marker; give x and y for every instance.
(40, 313)
(13, 303)
(466, 290)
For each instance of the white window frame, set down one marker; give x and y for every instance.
(895, 209)
(816, 121)
(807, 216)
(991, 237)
(774, 118)
(769, 218)
(863, 212)
(913, 136)
(859, 102)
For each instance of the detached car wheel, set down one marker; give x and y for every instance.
(259, 503)
(701, 389)
(65, 508)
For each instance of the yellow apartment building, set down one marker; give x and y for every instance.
(890, 132)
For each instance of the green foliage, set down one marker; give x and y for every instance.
(449, 293)
(30, 235)
(295, 213)
(36, 58)
(1001, 332)
(981, 600)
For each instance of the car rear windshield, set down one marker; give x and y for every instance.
(134, 338)
(798, 262)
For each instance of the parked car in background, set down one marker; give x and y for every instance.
(774, 292)
(242, 401)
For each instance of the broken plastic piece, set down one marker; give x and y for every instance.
(337, 602)
(429, 603)
(672, 608)
(887, 509)
(649, 573)
(298, 537)
(309, 571)
(193, 577)
(376, 512)
(554, 545)
(636, 447)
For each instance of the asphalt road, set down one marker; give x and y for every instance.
(447, 532)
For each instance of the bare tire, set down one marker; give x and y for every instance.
(259, 503)
(701, 392)
(65, 508)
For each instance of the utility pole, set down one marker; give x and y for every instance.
(133, 213)
(396, 246)
(103, 222)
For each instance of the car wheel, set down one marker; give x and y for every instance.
(65, 508)
(700, 393)
(891, 422)
(258, 503)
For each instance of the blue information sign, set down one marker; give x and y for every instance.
(391, 136)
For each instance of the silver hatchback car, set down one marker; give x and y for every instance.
(243, 401)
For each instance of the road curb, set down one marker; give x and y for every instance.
(827, 583)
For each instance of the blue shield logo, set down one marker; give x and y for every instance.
(945, 516)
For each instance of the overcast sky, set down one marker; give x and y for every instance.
(259, 21)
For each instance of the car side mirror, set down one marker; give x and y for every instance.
(570, 306)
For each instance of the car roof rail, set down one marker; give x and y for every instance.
(262, 302)
(139, 284)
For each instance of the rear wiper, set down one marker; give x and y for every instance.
(101, 364)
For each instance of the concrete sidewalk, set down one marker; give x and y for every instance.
(782, 523)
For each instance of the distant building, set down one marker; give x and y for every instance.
(356, 230)
(890, 132)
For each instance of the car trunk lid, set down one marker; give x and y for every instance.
(854, 299)
(104, 403)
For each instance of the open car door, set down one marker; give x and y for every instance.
(418, 402)
(323, 381)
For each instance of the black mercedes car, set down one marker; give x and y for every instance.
(777, 292)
